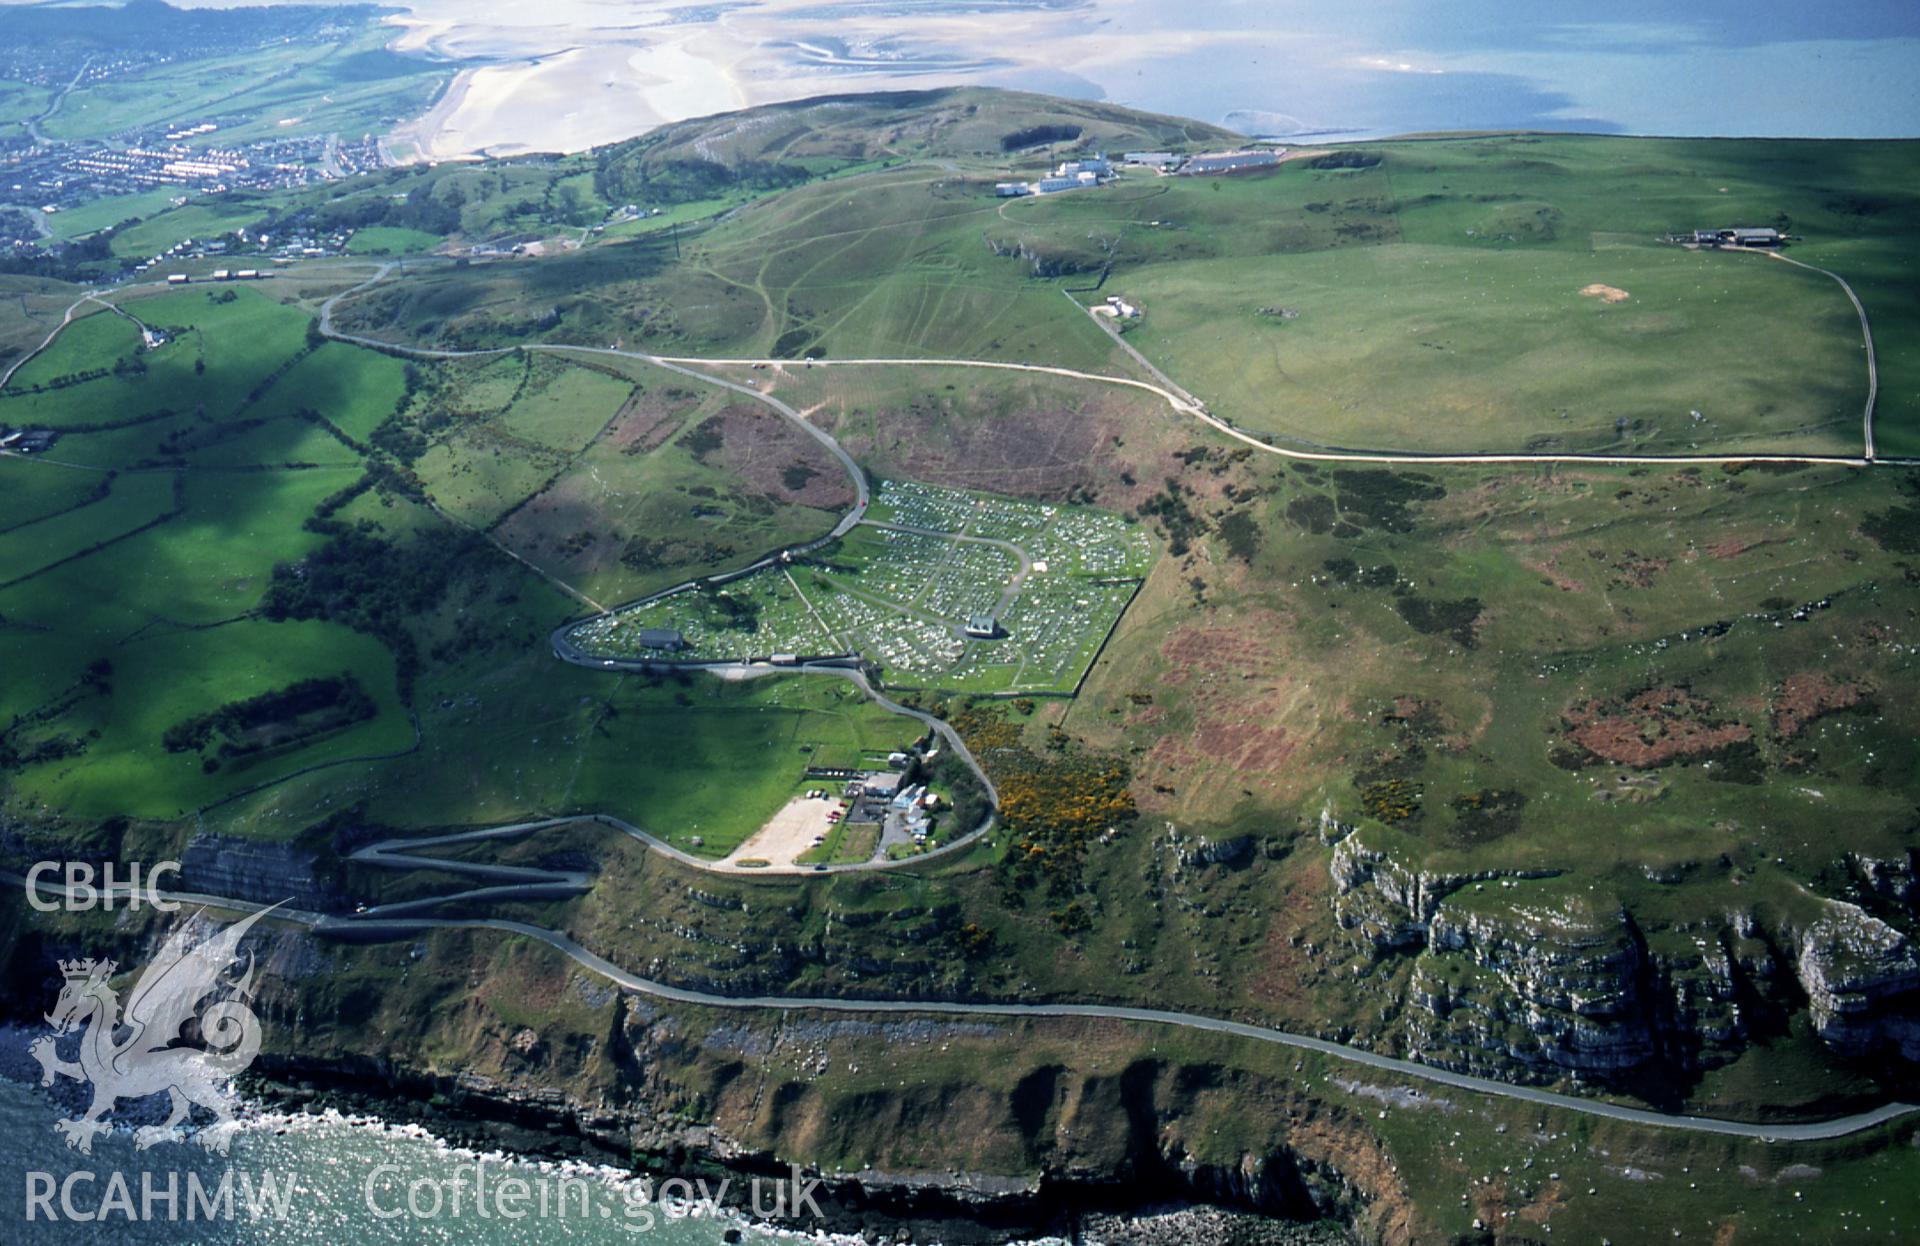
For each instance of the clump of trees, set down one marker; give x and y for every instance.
(1896, 529)
(420, 209)
(1177, 519)
(274, 718)
(373, 585)
(970, 803)
(1035, 135)
(1457, 619)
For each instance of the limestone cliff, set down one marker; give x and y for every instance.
(1528, 976)
(1862, 979)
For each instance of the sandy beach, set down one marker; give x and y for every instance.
(572, 75)
(565, 75)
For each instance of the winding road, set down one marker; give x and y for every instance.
(397, 854)
(395, 921)
(1866, 334)
(520, 883)
(91, 296)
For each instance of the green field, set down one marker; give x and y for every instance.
(683, 759)
(1432, 299)
(391, 240)
(1502, 351)
(492, 459)
(23, 99)
(133, 572)
(150, 558)
(679, 483)
(352, 86)
(105, 213)
(354, 389)
(1441, 295)
(1597, 776)
(201, 219)
(900, 273)
(32, 308)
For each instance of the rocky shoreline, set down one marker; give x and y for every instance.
(957, 1209)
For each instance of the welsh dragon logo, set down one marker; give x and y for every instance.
(133, 1056)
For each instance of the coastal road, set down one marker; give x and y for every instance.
(1806, 1131)
(401, 918)
(381, 926)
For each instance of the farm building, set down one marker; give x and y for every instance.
(879, 783)
(27, 440)
(1151, 159)
(661, 638)
(1011, 190)
(1215, 162)
(1738, 236)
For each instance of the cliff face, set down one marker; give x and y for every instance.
(1529, 976)
(1554, 981)
(257, 870)
(1003, 1131)
(1862, 979)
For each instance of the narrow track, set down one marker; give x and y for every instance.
(1866, 334)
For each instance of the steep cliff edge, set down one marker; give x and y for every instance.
(1530, 976)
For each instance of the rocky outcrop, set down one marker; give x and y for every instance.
(1890, 878)
(1701, 976)
(1096, 1143)
(1523, 975)
(1232, 852)
(1529, 976)
(1388, 903)
(1862, 978)
(1546, 980)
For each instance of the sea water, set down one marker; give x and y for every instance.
(336, 1181)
